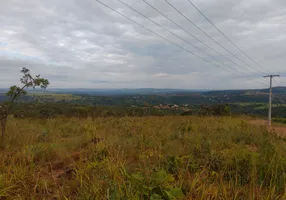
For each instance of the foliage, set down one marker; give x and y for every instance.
(48, 110)
(280, 120)
(16, 93)
(83, 97)
(157, 186)
(168, 157)
(27, 81)
(217, 110)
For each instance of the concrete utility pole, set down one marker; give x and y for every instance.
(270, 97)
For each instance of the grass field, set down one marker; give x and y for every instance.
(54, 96)
(141, 158)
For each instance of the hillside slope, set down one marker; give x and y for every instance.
(141, 158)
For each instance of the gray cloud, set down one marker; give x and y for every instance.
(83, 44)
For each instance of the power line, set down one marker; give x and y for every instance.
(186, 32)
(275, 82)
(280, 80)
(170, 31)
(162, 37)
(193, 35)
(179, 36)
(208, 35)
(225, 35)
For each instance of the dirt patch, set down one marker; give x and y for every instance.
(278, 129)
(60, 171)
(259, 122)
(281, 131)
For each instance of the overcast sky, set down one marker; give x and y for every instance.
(82, 44)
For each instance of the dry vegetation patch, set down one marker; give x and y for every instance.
(141, 158)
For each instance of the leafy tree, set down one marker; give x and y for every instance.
(16, 92)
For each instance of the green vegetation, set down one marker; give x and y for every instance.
(131, 149)
(16, 92)
(84, 97)
(240, 102)
(170, 157)
(258, 109)
(51, 97)
(246, 102)
(49, 110)
(280, 120)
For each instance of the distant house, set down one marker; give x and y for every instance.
(175, 106)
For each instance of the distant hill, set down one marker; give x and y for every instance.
(154, 91)
(115, 92)
(150, 91)
(278, 90)
(152, 96)
(3, 90)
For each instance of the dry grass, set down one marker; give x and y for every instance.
(278, 128)
(141, 158)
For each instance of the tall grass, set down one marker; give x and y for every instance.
(141, 158)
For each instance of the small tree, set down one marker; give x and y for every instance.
(15, 92)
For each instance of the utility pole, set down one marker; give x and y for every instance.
(270, 97)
